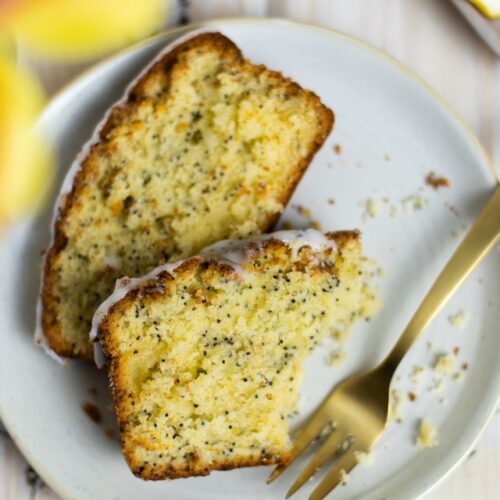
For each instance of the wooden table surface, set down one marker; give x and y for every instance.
(431, 38)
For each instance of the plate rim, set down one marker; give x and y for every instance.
(380, 54)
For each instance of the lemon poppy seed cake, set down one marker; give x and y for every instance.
(204, 146)
(205, 355)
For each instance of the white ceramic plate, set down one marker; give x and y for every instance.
(392, 132)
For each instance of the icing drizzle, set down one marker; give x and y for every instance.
(232, 252)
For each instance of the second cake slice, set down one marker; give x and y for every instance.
(205, 355)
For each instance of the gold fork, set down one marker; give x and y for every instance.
(359, 406)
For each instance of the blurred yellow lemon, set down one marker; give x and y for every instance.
(25, 166)
(62, 30)
(81, 29)
(490, 8)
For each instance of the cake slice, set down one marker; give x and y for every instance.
(205, 355)
(204, 146)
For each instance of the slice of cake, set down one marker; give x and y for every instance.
(205, 355)
(204, 146)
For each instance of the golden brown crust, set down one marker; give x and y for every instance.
(157, 473)
(143, 90)
(148, 292)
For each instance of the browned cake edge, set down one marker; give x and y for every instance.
(50, 325)
(149, 290)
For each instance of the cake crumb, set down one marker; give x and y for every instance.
(336, 357)
(344, 477)
(445, 364)
(452, 209)
(315, 225)
(414, 203)
(457, 320)
(370, 209)
(92, 411)
(331, 201)
(364, 458)
(456, 350)
(303, 211)
(337, 149)
(396, 401)
(287, 225)
(412, 396)
(465, 366)
(436, 182)
(427, 436)
(108, 432)
(340, 334)
(459, 376)
(437, 386)
(417, 374)
(387, 157)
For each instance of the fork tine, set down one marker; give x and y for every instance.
(346, 463)
(327, 450)
(310, 430)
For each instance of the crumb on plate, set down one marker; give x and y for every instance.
(92, 411)
(437, 386)
(457, 320)
(370, 209)
(108, 432)
(414, 203)
(445, 364)
(364, 458)
(303, 211)
(344, 477)
(452, 209)
(417, 374)
(436, 182)
(427, 436)
(395, 402)
(336, 357)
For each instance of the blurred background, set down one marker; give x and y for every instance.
(452, 44)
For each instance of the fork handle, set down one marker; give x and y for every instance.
(478, 241)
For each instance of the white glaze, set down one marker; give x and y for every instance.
(232, 252)
(294, 238)
(67, 184)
